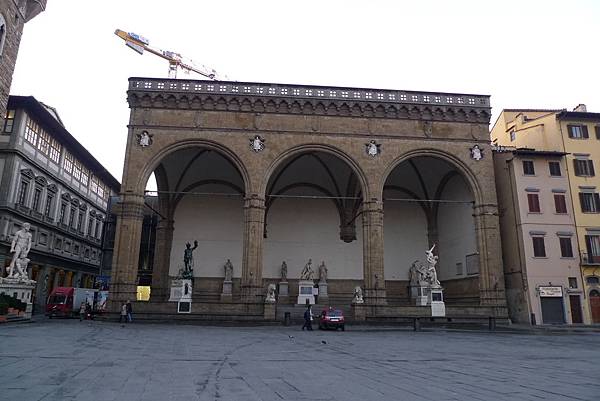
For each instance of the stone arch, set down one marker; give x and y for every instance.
(153, 162)
(314, 147)
(465, 171)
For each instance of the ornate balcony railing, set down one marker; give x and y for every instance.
(588, 259)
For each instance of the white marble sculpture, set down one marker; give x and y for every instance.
(20, 246)
(358, 296)
(270, 294)
(284, 272)
(307, 273)
(322, 273)
(431, 272)
(228, 270)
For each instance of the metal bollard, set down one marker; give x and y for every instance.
(287, 317)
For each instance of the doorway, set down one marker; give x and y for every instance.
(576, 316)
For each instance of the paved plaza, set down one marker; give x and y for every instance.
(72, 360)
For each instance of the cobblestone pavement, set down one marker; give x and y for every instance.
(72, 360)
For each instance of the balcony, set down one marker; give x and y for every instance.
(587, 259)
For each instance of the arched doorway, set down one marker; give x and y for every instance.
(313, 202)
(199, 196)
(428, 202)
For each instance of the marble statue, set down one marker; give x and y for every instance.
(417, 274)
(228, 270)
(322, 273)
(270, 294)
(188, 259)
(431, 276)
(284, 272)
(307, 273)
(358, 296)
(20, 246)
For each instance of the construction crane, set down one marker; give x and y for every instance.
(139, 43)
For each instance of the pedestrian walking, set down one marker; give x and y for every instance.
(308, 317)
(123, 317)
(82, 311)
(129, 310)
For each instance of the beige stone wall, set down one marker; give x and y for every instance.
(177, 121)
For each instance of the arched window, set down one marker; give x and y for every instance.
(3, 29)
(592, 280)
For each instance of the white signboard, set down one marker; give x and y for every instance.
(551, 291)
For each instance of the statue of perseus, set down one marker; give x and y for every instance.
(188, 258)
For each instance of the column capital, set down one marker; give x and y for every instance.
(254, 202)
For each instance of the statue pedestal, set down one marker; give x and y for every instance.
(305, 292)
(284, 292)
(436, 300)
(323, 295)
(226, 294)
(181, 290)
(420, 294)
(20, 289)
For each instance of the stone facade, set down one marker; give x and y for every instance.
(51, 182)
(259, 127)
(13, 16)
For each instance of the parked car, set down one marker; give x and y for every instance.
(331, 319)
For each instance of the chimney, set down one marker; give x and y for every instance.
(581, 108)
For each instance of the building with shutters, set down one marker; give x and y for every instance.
(539, 241)
(577, 134)
(52, 182)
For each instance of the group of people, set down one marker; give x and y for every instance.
(85, 311)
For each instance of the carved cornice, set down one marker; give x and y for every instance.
(307, 100)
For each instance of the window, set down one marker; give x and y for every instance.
(94, 184)
(560, 203)
(68, 163)
(76, 170)
(554, 169)
(31, 131)
(528, 168)
(578, 131)
(54, 150)
(22, 196)
(539, 249)
(584, 167)
(89, 227)
(43, 142)
(63, 212)
(97, 229)
(49, 199)
(573, 282)
(85, 174)
(79, 221)
(590, 202)
(101, 190)
(592, 280)
(72, 216)
(513, 136)
(566, 249)
(37, 195)
(9, 121)
(534, 203)
(592, 244)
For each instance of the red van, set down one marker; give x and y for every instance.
(65, 301)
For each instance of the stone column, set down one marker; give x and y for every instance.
(77, 279)
(374, 286)
(130, 217)
(491, 272)
(254, 218)
(2, 263)
(41, 289)
(162, 255)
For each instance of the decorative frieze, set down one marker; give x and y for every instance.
(307, 100)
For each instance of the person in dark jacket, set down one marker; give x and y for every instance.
(129, 311)
(308, 317)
